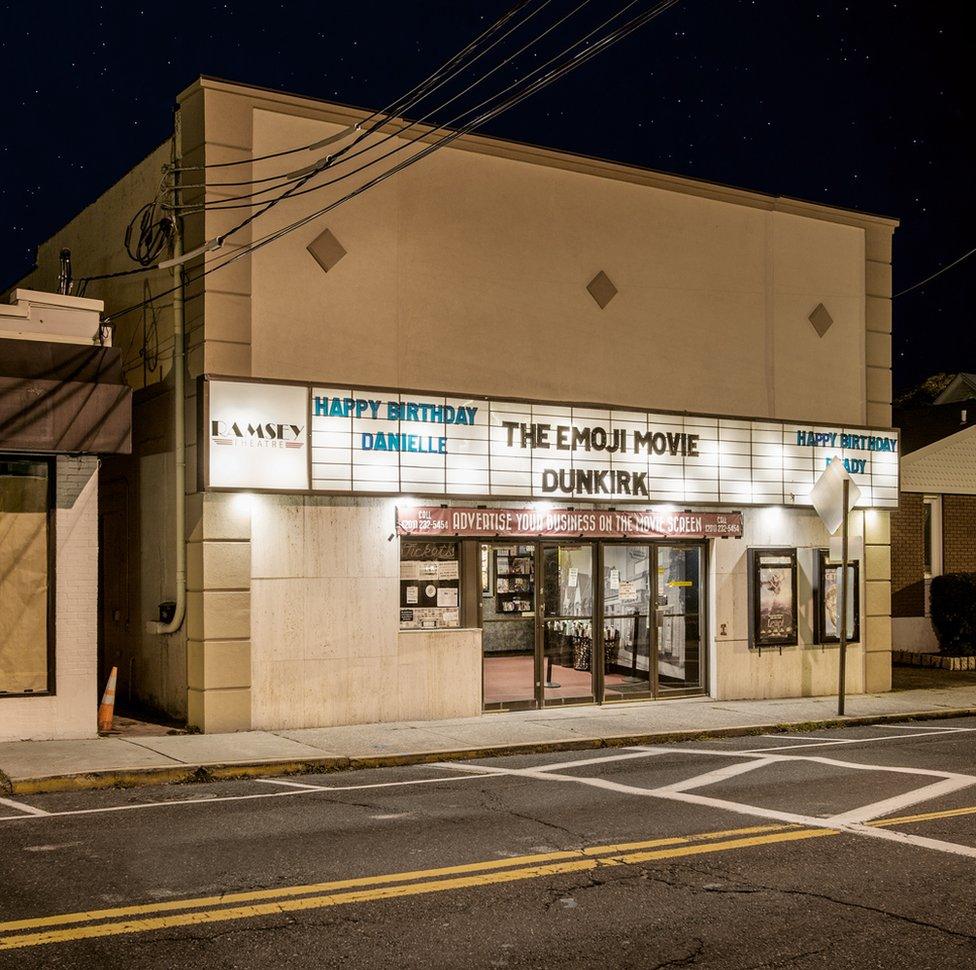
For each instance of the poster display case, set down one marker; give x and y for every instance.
(828, 599)
(773, 620)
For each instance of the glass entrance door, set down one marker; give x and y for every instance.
(508, 622)
(678, 618)
(626, 628)
(568, 645)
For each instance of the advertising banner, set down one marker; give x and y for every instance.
(567, 523)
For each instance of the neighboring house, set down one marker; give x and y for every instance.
(934, 529)
(416, 426)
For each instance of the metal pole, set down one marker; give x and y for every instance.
(179, 407)
(842, 629)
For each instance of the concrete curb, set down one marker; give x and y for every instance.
(195, 774)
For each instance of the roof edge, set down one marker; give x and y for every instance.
(933, 447)
(557, 158)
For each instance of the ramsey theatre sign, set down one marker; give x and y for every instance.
(342, 440)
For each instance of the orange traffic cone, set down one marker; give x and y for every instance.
(107, 708)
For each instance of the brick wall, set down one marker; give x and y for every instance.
(958, 533)
(907, 565)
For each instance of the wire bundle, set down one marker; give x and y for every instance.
(154, 224)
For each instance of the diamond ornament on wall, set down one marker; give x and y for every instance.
(602, 289)
(822, 321)
(326, 250)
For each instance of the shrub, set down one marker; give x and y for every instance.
(953, 608)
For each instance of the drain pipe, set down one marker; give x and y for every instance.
(179, 407)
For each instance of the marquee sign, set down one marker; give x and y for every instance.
(567, 523)
(361, 441)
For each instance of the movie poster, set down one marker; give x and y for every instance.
(831, 602)
(777, 609)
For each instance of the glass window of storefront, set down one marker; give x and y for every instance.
(26, 576)
(609, 621)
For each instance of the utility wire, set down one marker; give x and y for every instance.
(938, 272)
(226, 204)
(576, 61)
(149, 227)
(389, 109)
(382, 117)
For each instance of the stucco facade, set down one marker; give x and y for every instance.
(467, 274)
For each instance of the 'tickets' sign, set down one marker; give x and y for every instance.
(567, 523)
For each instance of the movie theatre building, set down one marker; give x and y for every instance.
(512, 429)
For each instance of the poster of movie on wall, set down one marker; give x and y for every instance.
(773, 595)
(392, 442)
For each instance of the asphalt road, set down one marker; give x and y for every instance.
(847, 848)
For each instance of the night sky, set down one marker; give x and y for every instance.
(867, 105)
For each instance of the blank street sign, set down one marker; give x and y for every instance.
(827, 495)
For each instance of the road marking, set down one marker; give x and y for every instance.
(210, 799)
(288, 784)
(286, 891)
(53, 847)
(556, 765)
(925, 727)
(437, 880)
(666, 793)
(470, 772)
(906, 838)
(716, 776)
(927, 816)
(819, 742)
(888, 805)
(21, 807)
(850, 821)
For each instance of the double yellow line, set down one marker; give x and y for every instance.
(66, 927)
(253, 904)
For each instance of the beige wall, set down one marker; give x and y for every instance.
(95, 238)
(71, 711)
(326, 648)
(806, 669)
(468, 273)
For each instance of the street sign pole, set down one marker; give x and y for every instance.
(842, 657)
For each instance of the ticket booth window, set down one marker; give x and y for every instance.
(429, 585)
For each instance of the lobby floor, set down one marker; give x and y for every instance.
(511, 678)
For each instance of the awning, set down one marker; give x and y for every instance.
(60, 397)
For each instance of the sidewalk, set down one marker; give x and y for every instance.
(36, 766)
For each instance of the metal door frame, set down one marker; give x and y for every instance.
(703, 657)
(518, 705)
(597, 618)
(596, 649)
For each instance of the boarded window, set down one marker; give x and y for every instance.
(24, 579)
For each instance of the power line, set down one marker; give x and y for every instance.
(554, 75)
(151, 230)
(557, 73)
(938, 272)
(223, 205)
(383, 117)
(389, 109)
